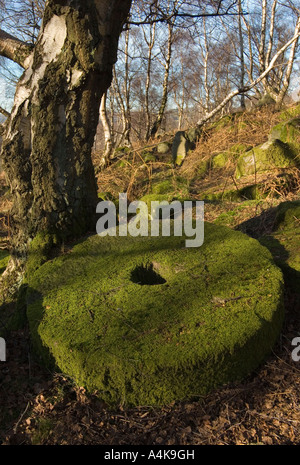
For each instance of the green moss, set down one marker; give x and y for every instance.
(289, 133)
(163, 187)
(203, 168)
(222, 122)
(230, 194)
(122, 150)
(122, 163)
(149, 157)
(175, 186)
(220, 160)
(252, 192)
(290, 113)
(271, 155)
(163, 147)
(211, 319)
(42, 430)
(105, 196)
(237, 215)
(288, 216)
(238, 149)
(284, 244)
(38, 252)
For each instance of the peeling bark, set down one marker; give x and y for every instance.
(47, 143)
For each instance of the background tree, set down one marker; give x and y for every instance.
(269, 26)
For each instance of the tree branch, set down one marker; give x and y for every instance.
(4, 112)
(14, 49)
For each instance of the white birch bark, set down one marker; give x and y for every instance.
(108, 143)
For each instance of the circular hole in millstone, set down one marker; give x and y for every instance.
(145, 275)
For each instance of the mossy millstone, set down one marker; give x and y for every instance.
(147, 321)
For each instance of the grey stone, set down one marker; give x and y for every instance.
(180, 148)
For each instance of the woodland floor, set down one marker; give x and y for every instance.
(42, 408)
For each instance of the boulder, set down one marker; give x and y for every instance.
(271, 155)
(180, 148)
(220, 160)
(284, 244)
(163, 147)
(289, 133)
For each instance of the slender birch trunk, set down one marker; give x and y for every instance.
(241, 46)
(158, 120)
(150, 43)
(288, 72)
(108, 142)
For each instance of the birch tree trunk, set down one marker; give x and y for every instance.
(241, 46)
(150, 43)
(48, 139)
(205, 55)
(288, 72)
(108, 142)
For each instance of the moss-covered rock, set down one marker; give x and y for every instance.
(222, 122)
(220, 160)
(193, 135)
(148, 157)
(251, 192)
(288, 216)
(284, 244)
(289, 113)
(289, 133)
(147, 321)
(105, 196)
(224, 158)
(268, 156)
(237, 149)
(163, 147)
(180, 147)
(175, 186)
(202, 169)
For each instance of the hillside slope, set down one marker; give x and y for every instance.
(38, 407)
